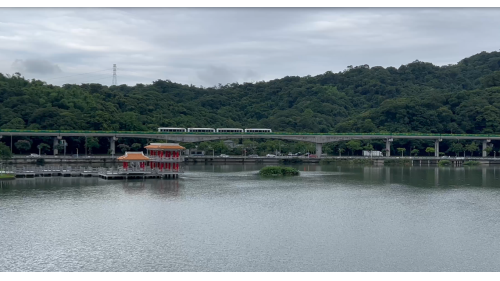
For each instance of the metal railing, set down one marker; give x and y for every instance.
(239, 134)
(84, 170)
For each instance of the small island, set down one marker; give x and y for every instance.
(278, 171)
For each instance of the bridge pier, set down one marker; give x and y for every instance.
(485, 145)
(55, 143)
(388, 147)
(112, 141)
(436, 147)
(319, 149)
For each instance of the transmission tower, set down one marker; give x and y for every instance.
(114, 75)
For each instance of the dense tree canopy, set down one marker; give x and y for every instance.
(416, 97)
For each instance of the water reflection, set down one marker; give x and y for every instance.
(228, 218)
(163, 187)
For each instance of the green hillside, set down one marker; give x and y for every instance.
(417, 97)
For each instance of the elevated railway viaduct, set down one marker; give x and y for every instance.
(318, 139)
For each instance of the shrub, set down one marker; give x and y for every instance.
(471, 163)
(444, 163)
(278, 171)
(291, 161)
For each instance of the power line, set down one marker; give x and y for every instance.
(78, 74)
(90, 81)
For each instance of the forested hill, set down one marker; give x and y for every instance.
(417, 97)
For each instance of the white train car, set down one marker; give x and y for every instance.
(258, 131)
(201, 130)
(230, 130)
(171, 130)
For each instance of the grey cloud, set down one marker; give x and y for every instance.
(211, 46)
(216, 74)
(35, 66)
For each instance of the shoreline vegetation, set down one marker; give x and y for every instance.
(471, 163)
(278, 171)
(7, 177)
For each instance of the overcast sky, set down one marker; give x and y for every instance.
(210, 46)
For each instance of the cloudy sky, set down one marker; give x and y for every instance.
(214, 45)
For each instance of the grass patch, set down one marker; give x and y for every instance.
(444, 163)
(278, 171)
(471, 163)
(7, 176)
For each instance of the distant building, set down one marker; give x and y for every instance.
(195, 152)
(229, 143)
(372, 153)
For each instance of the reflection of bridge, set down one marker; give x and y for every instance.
(318, 139)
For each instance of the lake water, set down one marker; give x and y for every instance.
(227, 218)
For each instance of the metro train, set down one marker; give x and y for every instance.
(212, 130)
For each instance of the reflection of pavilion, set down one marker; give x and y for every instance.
(170, 188)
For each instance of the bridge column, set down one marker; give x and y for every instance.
(388, 147)
(319, 149)
(485, 145)
(112, 145)
(55, 144)
(436, 147)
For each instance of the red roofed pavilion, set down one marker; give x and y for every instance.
(166, 157)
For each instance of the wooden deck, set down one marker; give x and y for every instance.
(105, 173)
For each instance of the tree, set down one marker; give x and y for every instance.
(136, 146)
(123, 147)
(340, 151)
(91, 143)
(353, 146)
(368, 147)
(488, 150)
(23, 145)
(402, 150)
(471, 148)
(59, 147)
(42, 148)
(457, 148)
(414, 152)
(430, 150)
(5, 153)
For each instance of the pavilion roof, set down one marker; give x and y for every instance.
(164, 146)
(133, 156)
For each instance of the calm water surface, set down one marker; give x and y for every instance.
(227, 218)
